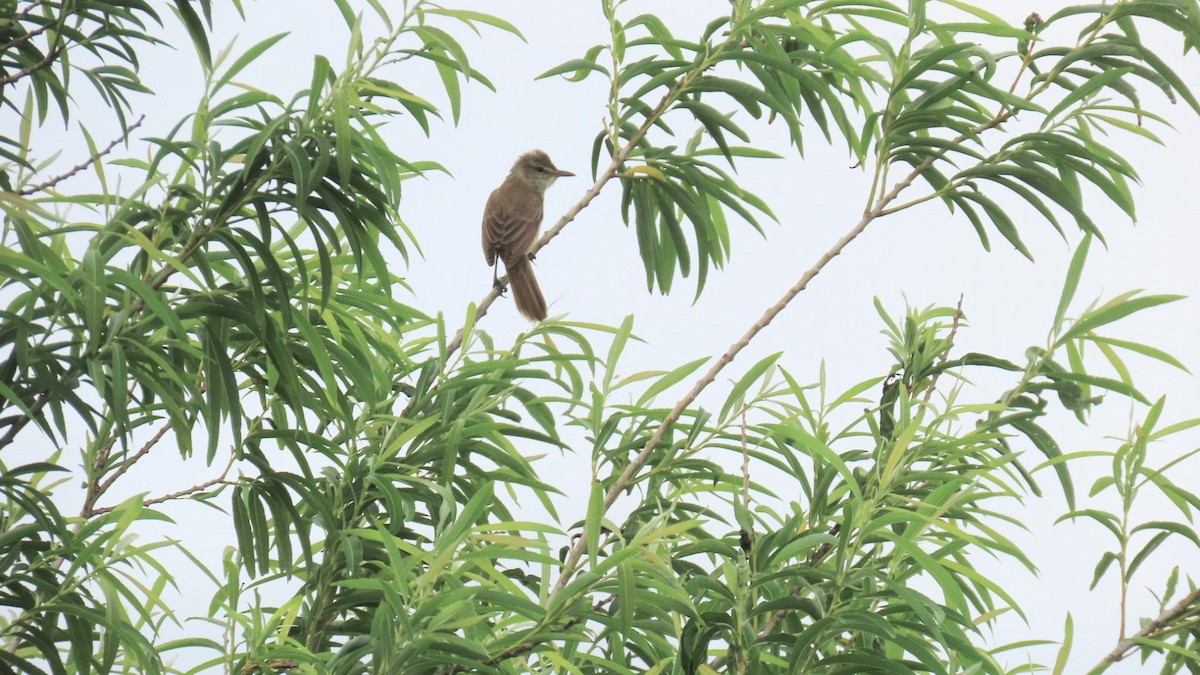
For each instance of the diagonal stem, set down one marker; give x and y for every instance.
(592, 192)
(1163, 621)
(628, 476)
(49, 183)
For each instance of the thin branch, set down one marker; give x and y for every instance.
(100, 488)
(1127, 646)
(24, 14)
(40, 65)
(958, 315)
(80, 167)
(628, 475)
(219, 480)
(21, 16)
(605, 176)
(28, 35)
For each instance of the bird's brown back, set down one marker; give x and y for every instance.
(510, 222)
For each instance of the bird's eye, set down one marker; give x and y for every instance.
(541, 169)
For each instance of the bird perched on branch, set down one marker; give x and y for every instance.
(511, 221)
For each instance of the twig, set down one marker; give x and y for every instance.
(958, 315)
(28, 35)
(24, 14)
(100, 488)
(219, 480)
(631, 469)
(1125, 647)
(80, 167)
(627, 476)
(605, 176)
(25, 72)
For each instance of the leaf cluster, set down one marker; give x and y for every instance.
(238, 297)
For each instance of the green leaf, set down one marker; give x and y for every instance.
(595, 515)
(737, 395)
(1114, 310)
(196, 30)
(1088, 88)
(1074, 273)
(669, 379)
(1102, 565)
(1064, 652)
(470, 18)
(579, 69)
(1001, 220)
(249, 56)
(1046, 444)
(1144, 350)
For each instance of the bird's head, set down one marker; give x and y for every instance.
(535, 169)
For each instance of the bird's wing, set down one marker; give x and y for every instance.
(510, 226)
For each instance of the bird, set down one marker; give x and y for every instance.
(511, 220)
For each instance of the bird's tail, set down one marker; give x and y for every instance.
(526, 292)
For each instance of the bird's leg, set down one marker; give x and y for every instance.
(496, 276)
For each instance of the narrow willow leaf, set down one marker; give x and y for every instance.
(579, 69)
(1001, 221)
(479, 503)
(595, 514)
(1114, 310)
(453, 91)
(619, 340)
(1046, 444)
(196, 31)
(1064, 652)
(627, 596)
(736, 396)
(249, 56)
(470, 18)
(1074, 274)
(1083, 91)
(668, 380)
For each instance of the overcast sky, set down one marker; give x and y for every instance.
(592, 272)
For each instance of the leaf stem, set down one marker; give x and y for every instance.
(1127, 646)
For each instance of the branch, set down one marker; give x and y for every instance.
(80, 167)
(28, 35)
(40, 65)
(24, 14)
(98, 489)
(1125, 647)
(958, 315)
(605, 176)
(627, 476)
(219, 480)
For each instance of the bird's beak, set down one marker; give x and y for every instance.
(562, 174)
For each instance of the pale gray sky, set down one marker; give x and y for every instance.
(592, 272)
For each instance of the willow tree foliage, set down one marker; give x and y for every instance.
(236, 296)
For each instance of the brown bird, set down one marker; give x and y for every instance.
(511, 221)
